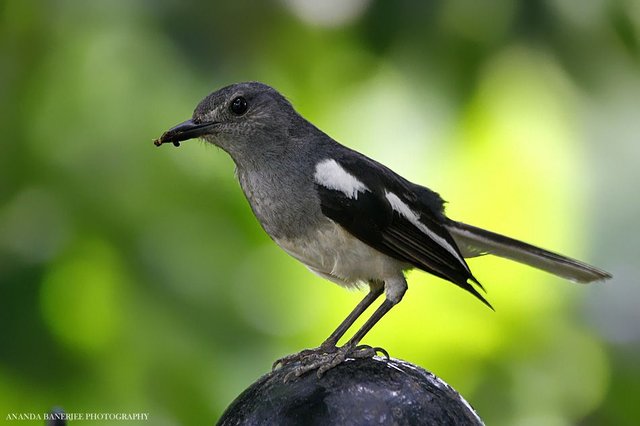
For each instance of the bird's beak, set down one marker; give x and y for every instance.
(183, 131)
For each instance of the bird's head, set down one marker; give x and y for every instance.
(244, 119)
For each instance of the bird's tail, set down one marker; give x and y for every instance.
(474, 241)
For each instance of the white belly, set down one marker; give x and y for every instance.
(333, 253)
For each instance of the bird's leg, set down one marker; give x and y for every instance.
(374, 293)
(394, 289)
(329, 345)
(351, 348)
(377, 315)
(324, 361)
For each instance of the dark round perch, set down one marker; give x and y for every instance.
(356, 392)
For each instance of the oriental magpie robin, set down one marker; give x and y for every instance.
(345, 216)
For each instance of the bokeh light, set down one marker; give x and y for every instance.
(136, 279)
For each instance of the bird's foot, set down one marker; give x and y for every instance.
(304, 355)
(324, 358)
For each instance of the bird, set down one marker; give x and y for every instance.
(345, 216)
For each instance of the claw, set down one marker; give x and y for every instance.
(303, 355)
(378, 349)
(323, 359)
(292, 375)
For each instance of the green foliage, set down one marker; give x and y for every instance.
(136, 279)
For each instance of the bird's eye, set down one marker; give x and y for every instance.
(239, 105)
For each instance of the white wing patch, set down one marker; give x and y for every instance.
(332, 176)
(399, 206)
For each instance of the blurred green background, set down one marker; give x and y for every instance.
(135, 279)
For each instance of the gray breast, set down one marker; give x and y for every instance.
(284, 202)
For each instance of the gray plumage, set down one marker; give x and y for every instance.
(347, 217)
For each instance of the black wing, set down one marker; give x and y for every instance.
(417, 237)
